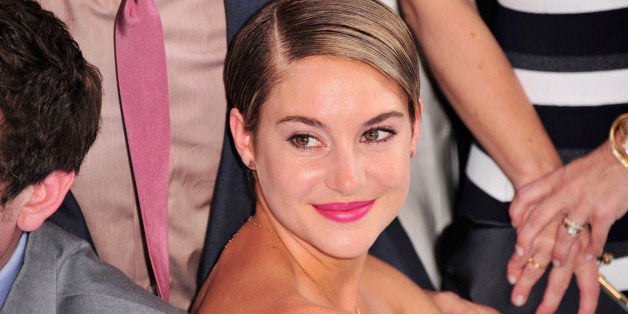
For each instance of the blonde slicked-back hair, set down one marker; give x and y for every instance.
(286, 31)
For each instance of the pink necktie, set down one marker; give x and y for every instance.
(143, 85)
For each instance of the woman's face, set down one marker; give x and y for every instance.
(333, 153)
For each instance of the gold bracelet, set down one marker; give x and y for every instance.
(620, 127)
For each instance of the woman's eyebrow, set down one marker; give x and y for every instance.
(382, 117)
(301, 119)
(315, 123)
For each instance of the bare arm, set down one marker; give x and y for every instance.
(481, 85)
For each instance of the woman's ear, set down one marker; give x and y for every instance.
(43, 199)
(242, 138)
(416, 129)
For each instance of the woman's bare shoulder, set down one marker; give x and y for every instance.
(270, 297)
(399, 292)
(385, 276)
(251, 276)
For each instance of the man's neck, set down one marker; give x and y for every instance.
(12, 236)
(11, 267)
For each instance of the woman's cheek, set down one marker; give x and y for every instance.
(296, 177)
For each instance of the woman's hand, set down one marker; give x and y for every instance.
(525, 270)
(449, 302)
(592, 192)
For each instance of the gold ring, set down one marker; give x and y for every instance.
(534, 263)
(572, 227)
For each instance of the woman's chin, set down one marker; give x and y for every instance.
(348, 247)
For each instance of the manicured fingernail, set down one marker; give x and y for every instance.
(519, 300)
(519, 251)
(556, 263)
(512, 279)
(588, 257)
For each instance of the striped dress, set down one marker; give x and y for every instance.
(571, 57)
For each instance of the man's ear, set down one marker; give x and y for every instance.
(43, 199)
(416, 129)
(243, 139)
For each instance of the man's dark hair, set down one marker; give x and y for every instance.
(50, 98)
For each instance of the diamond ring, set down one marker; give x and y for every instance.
(572, 227)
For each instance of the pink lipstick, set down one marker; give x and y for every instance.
(344, 212)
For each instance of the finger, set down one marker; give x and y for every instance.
(536, 265)
(518, 263)
(530, 275)
(547, 212)
(525, 198)
(587, 279)
(572, 227)
(532, 271)
(450, 302)
(483, 309)
(599, 234)
(479, 308)
(558, 282)
(520, 260)
(515, 267)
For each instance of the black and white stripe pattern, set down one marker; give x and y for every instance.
(571, 56)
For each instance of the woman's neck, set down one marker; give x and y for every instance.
(336, 280)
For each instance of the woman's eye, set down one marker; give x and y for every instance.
(304, 141)
(377, 135)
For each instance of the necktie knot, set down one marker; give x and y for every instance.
(137, 12)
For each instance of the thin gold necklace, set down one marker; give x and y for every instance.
(318, 286)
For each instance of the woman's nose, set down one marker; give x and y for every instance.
(346, 175)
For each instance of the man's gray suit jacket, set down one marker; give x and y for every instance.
(61, 274)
